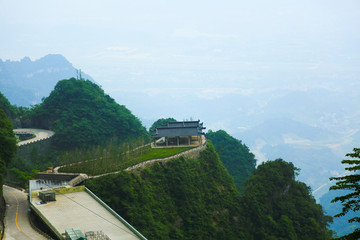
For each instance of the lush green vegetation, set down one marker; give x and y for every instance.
(6, 106)
(279, 207)
(82, 115)
(113, 157)
(11, 111)
(197, 199)
(7, 143)
(351, 198)
(22, 170)
(182, 199)
(160, 122)
(157, 153)
(235, 156)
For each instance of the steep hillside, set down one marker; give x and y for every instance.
(197, 199)
(182, 199)
(280, 207)
(81, 114)
(5, 105)
(235, 156)
(8, 145)
(25, 82)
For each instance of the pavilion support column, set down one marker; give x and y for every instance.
(166, 140)
(189, 139)
(178, 140)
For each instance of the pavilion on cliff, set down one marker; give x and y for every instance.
(185, 133)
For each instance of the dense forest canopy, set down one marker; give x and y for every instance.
(81, 114)
(7, 143)
(197, 199)
(6, 106)
(235, 156)
(181, 199)
(279, 207)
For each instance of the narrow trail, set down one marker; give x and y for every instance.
(145, 163)
(40, 135)
(148, 162)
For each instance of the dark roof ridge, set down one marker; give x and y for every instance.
(180, 127)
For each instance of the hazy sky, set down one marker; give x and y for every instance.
(165, 48)
(229, 63)
(177, 44)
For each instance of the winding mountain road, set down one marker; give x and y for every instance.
(17, 224)
(40, 134)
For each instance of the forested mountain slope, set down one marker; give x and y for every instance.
(235, 156)
(7, 145)
(5, 105)
(197, 199)
(280, 207)
(81, 114)
(182, 199)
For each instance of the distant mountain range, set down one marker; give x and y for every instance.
(26, 82)
(311, 125)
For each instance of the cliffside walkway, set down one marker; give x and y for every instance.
(40, 135)
(192, 152)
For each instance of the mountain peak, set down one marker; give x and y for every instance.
(25, 60)
(54, 59)
(26, 81)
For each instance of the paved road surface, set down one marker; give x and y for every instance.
(17, 225)
(39, 134)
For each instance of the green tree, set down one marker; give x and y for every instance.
(235, 156)
(5, 105)
(160, 122)
(7, 143)
(350, 182)
(7, 139)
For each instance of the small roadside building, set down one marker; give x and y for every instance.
(47, 196)
(185, 133)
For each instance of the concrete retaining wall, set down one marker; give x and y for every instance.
(193, 153)
(40, 146)
(41, 143)
(57, 177)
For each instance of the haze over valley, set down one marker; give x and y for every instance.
(282, 77)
